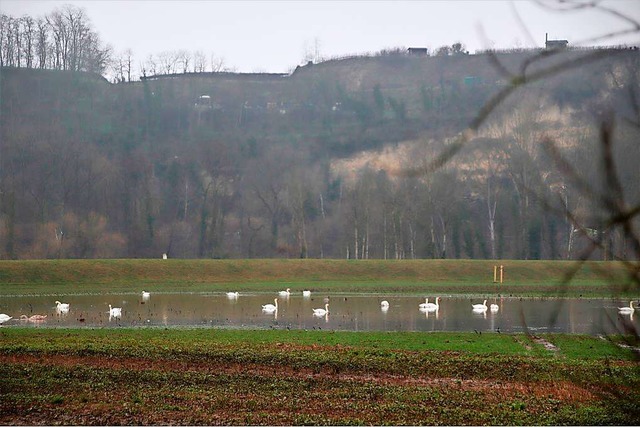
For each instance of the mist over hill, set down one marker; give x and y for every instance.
(315, 163)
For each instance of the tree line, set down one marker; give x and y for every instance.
(60, 40)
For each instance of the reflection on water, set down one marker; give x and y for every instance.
(333, 312)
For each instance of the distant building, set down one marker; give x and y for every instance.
(554, 44)
(203, 102)
(418, 51)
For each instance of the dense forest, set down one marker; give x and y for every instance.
(334, 160)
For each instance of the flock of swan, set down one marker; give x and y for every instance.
(384, 305)
(426, 306)
(63, 308)
(477, 308)
(273, 308)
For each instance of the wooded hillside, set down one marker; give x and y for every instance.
(315, 164)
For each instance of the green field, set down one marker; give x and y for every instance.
(184, 376)
(524, 278)
(207, 376)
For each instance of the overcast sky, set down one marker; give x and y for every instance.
(273, 36)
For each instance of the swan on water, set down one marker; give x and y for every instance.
(384, 306)
(424, 304)
(271, 307)
(494, 308)
(306, 293)
(627, 310)
(232, 295)
(115, 311)
(480, 307)
(4, 318)
(321, 311)
(62, 306)
(145, 294)
(285, 293)
(429, 306)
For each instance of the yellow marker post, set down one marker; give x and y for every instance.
(495, 274)
(501, 273)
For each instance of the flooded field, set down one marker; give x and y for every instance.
(352, 312)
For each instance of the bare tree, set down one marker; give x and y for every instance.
(217, 63)
(199, 62)
(184, 59)
(17, 41)
(312, 51)
(6, 40)
(168, 61)
(42, 42)
(29, 30)
(121, 65)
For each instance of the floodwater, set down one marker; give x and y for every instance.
(350, 312)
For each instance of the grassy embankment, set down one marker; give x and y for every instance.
(523, 278)
(155, 376)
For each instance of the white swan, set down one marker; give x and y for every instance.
(321, 311)
(115, 311)
(270, 307)
(431, 306)
(285, 293)
(384, 303)
(480, 307)
(145, 294)
(494, 308)
(627, 310)
(306, 293)
(62, 307)
(424, 304)
(4, 318)
(232, 295)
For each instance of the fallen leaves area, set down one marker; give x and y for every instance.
(300, 385)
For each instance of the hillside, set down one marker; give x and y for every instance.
(311, 164)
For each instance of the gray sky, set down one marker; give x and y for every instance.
(272, 36)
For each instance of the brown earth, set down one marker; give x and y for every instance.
(247, 406)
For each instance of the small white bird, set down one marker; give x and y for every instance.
(480, 307)
(232, 295)
(145, 294)
(271, 307)
(115, 311)
(384, 306)
(285, 293)
(306, 293)
(494, 308)
(62, 307)
(4, 318)
(431, 306)
(321, 311)
(627, 310)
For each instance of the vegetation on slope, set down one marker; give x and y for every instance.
(94, 170)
